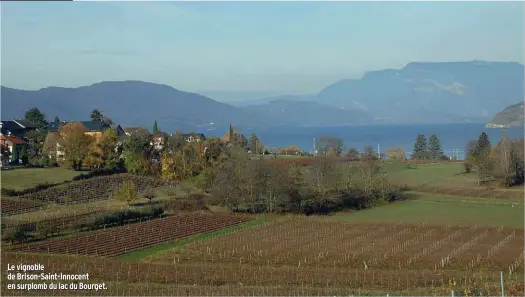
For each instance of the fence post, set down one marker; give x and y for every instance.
(502, 288)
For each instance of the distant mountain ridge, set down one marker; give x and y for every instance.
(512, 116)
(431, 91)
(130, 103)
(420, 92)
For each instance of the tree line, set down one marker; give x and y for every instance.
(244, 184)
(503, 161)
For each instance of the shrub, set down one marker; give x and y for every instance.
(117, 218)
(15, 234)
(185, 205)
(44, 229)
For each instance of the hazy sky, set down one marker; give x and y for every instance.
(287, 47)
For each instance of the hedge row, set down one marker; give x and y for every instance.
(117, 218)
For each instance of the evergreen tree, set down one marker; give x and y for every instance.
(420, 148)
(434, 148)
(155, 128)
(96, 115)
(35, 116)
(231, 133)
(481, 158)
(483, 145)
(57, 120)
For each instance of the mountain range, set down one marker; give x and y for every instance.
(420, 92)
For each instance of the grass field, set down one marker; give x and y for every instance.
(22, 178)
(423, 173)
(442, 209)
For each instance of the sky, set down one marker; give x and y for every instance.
(277, 47)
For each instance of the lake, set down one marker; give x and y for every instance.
(453, 137)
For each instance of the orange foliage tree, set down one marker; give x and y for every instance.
(75, 144)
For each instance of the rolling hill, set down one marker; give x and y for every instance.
(130, 103)
(512, 116)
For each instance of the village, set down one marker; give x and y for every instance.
(22, 139)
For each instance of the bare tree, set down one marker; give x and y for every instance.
(396, 154)
(330, 145)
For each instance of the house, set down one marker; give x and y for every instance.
(94, 129)
(194, 137)
(17, 128)
(136, 131)
(14, 145)
(157, 140)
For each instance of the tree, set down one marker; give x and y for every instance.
(231, 133)
(35, 140)
(368, 154)
(481, 158)
(396, 154)
(35, 116)
(95, 156)
(137, 154)
(127, 192)
(435, 151)
(110, 149)
(155, 128)
(470, 152)
(50, 145)
(420, 148)
(329, 145)
(23, 156)
(352, 154)
(75, 144)
(107, 120)
(255, 144)
(175, 142)
(483, 145)
(501, 158)
(96, 115)
(324, 177)
(57, 120)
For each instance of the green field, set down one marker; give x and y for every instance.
(427, 173)
(441, 210)
(23, 178)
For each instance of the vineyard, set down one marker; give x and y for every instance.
(305, 256)
(310, 243)
(94, 189)
(11, 206)
(120, 240)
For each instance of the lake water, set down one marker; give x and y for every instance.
(453, 137)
